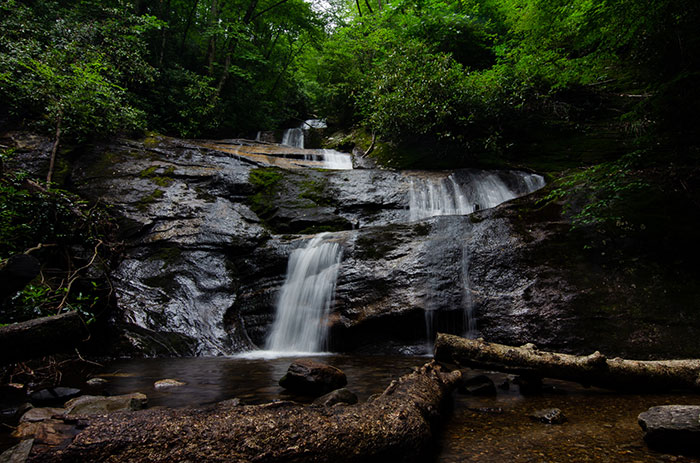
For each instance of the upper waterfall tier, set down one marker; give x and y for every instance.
(467, 191)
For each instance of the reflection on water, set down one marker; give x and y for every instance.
(212, 380)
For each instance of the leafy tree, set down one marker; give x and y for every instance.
(69, 73)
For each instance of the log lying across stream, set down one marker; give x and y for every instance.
(394, 427)
(590, 370)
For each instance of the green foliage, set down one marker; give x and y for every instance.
(29, 217)
(71, 67)
(67, 235)
(602, 194)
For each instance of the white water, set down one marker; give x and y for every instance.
(293, 138)
(482, 190)
(314, 124)
(305, 299)
(467, 300)
(336, 160)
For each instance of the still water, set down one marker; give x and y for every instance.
(601, 427)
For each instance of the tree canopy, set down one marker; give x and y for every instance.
(456, 72)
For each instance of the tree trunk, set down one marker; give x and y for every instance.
(41, 336)
(54, 150)
(591, 370)
(397, 426)
(187, 26)
(211, 49)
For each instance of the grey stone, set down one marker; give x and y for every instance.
(672, 428)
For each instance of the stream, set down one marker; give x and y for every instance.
(601, 427)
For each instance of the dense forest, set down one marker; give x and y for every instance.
(609, 89)
(464, 73)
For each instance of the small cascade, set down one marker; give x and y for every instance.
(314, 124)
(336, 160)
(467, 301)
(305, 299)
(258, 136)
(479, 190)
(293, 138)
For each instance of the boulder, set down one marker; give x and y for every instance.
(309, 377)
(339, 396)
(672, 428)
(549, 416)
(89, 404)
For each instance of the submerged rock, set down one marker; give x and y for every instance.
(96, 381)
(309, 377)
(549, 416)
(672, 428)
(339, 396)
(478, 385)
(168, 383)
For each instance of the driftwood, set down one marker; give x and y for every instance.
(395, 427)
(41, 336)
(591, 370)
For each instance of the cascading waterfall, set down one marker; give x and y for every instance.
(336, 160)
(306, 297)
(481, 190)
(331, 159)
(293, 138)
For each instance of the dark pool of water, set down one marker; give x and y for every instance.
(601, 427)
(210, 380)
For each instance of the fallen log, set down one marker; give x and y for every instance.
(590, 370)
(41, 336)
(395, 427)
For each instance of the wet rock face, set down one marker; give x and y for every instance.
(182, 211)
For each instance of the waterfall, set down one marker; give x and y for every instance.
(293, 138)
(467, 301)
(305, 298)
(314, 124)
(336, 160)
(479, 190)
